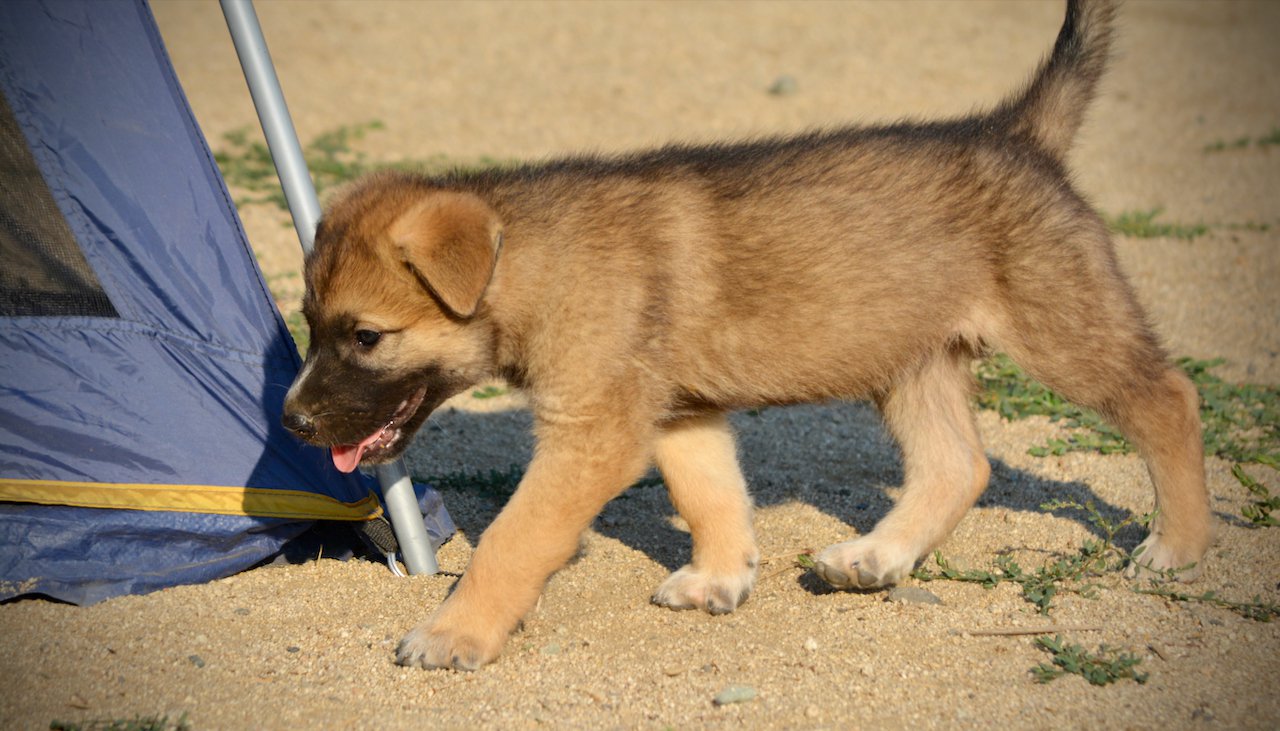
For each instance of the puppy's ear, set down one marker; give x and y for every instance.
(450, 242)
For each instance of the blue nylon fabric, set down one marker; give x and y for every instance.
(187, 385)
(85, 555)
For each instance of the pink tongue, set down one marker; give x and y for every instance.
(346, 457)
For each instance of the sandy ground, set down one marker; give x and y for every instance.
(311, 646)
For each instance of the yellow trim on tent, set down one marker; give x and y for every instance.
(251, 501)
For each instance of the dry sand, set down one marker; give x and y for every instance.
(311, 646)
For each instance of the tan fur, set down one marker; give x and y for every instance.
(464, 236)
(637, 299)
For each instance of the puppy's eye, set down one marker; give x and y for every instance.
(367, 338)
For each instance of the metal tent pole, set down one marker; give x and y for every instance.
(282, 139)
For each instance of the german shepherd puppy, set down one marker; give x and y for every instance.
(637, 299)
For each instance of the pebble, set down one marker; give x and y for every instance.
(811, 645)
(784, 85)
(1202, 714)
(196, 660)
(734, 694)
(912, 595)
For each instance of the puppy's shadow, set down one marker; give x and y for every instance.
(836, 457)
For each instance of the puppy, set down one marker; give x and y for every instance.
(637, 299)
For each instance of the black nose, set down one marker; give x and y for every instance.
(299, 424)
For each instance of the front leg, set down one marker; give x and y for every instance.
(576, 469)
(700, 465)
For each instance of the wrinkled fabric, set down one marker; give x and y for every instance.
(186, 385)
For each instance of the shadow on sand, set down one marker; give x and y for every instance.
(836, 457)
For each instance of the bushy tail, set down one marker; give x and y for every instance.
(1051, 109)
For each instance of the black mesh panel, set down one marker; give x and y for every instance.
(42, 271)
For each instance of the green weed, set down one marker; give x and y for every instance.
(1241, 420)
(1240, 143)
(1143, 225)
(1223, 145)
(1073, 573)
(1257, 610)
(246, 163)
(1106, 666)
(1039, 587)
(1259, 510)
(1247, 226)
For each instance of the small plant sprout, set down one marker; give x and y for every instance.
(1244, 142)
(1143, 225)
(1071, 573)
(1257, 610)
(1258, 511)
(1105, 666)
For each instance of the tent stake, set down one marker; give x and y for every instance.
(282, 139)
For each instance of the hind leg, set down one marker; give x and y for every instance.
(1079, 330)
(1164, 421)
(699, 463)
(929, 413)
(1156, 407)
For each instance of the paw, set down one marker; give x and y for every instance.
(439, 644)
(690, 588)
(863, 563)
(1158, 558)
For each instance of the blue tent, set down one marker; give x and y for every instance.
(143, 363)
